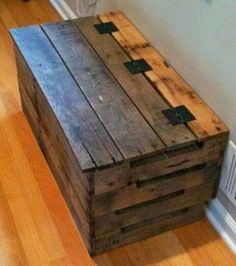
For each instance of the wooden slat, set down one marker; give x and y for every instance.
(41, 119)
(78, 204)
(82, 220)
(168, 83)
(124, 175)
(158, 187)
(132, 134)
(48, 142)
(177, 160)
(113, 222)
(140, 91)
(87, 136)
(157, 226)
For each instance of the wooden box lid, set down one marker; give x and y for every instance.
(107, 113)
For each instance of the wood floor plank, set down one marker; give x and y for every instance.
(7, 62)
(24, 17)
(168, 83)
(11, 249)
(6, 16)
(134, 137)
(210, 251)
(200, 243)
(167, 250)
(32, 199)
(142, 93)
(18, 203)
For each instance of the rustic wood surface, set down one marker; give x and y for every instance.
(35, 225)
(143, 230)
(69, 105)
(133, 136)
(168, 83)
(139, 90)
(153, 208)
(120, 177)
(84, 117)
(134, 194)
(90, 107)
(65, 167)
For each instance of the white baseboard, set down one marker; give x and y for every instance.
(223, 223)
(63, 9)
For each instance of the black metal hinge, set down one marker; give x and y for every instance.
(178, 115)
(107, 27)
(138, 66)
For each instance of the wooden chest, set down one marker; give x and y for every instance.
(135, 151)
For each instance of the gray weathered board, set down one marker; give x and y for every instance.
(125, 171)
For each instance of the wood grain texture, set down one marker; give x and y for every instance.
(59, 160)
(139, 90)
(84, 117)
(145, 229)
(119, 177)
(154, 208)
(21, 244)
(165, 79)
(131, 133)
(152, 189)
(71, 109)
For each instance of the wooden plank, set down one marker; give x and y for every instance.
(82, 220)
(124, 175)
(113, 222)
(160, 225)
(139, 90)
(57, 162)
(150, 190)
(89, 140)
(165, 79)
(29, 111)
(48, 141)
(176, 160)
(71, 175)
(133, 136)
(41, 117)
(69, 165)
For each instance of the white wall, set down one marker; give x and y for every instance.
(198, 38)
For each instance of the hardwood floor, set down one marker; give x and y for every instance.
(35, 225)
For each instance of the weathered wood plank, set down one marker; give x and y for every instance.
(132, 134)
(139, 90)
(113, 222)
(41, 131)
(42, 118)
(75, 188)
(160, 225)
(173, 161)
(82, 220)
(165, 79)
(77, 203)
(88, 138)
(151, 189)
(125, 175)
